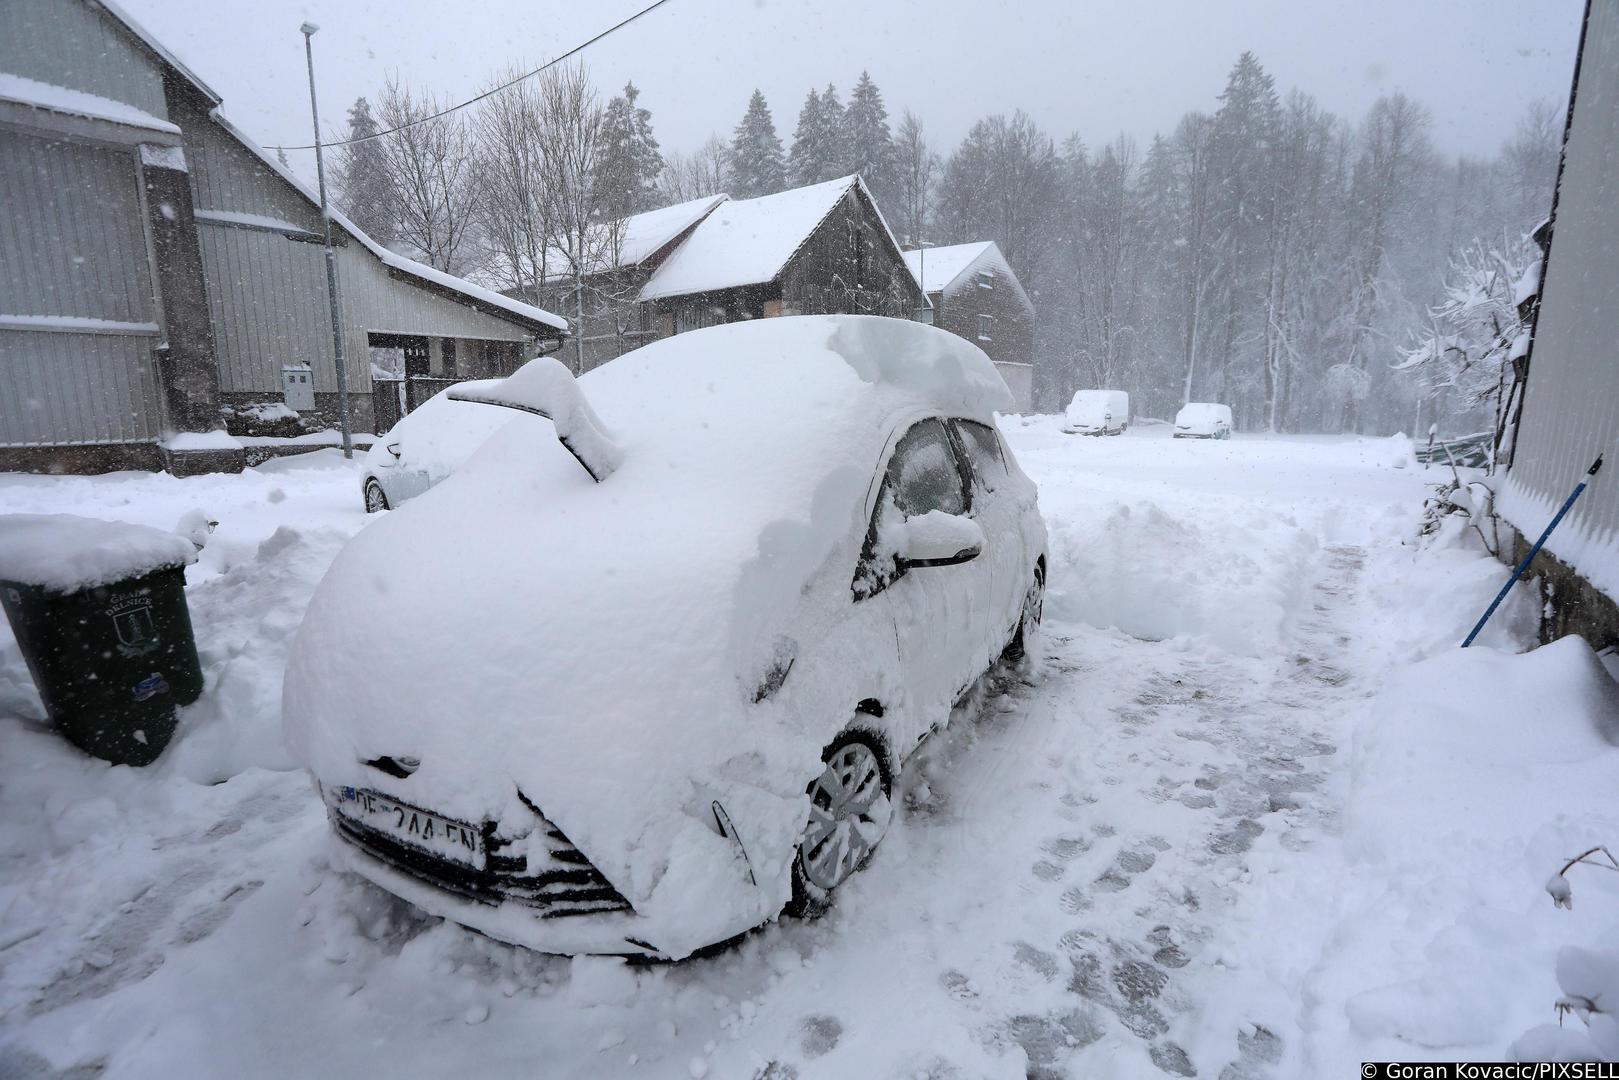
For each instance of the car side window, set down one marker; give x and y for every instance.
(984, 451)
(922, 475)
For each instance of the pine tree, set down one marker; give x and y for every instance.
(868, 144)
(365, 187)
(627, 170)
(757, 165)
(804, 160)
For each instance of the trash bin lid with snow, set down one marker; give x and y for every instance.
(67, 553)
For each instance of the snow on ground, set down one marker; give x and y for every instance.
(1249, 813)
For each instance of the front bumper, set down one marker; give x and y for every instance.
(538, 890)
(604, 933)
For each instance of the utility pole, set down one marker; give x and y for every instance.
(308, 30)
(924, 313)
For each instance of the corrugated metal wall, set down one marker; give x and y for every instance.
(267, 293)
(62, 389)
(68, 44)
(1571, 408)
(71, 227)
(70, 224)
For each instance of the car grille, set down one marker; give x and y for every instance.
(567, 884)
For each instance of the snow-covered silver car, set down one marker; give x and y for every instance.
(678, 633)
(426, 446)
(1203, 420)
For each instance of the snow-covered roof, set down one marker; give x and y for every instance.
(946, 266)
(642, 235)
(64, 552)
(157, 47)
(61, 99)
(748, 241)
(393, 260)
(943, 265)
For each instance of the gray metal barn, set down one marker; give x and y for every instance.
(1570, 408)
(159, 271)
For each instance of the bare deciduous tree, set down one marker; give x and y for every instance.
(430, 165)
(694, 176)
(918, 170)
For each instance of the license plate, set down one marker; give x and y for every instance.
(433, 833)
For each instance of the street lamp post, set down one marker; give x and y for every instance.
(924, 314)
(308, 30)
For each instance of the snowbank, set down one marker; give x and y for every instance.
(1154, 571)
(1474, 776)
(65, 552)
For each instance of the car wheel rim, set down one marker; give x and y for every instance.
(373, 498)
(1033, 605)
(849, 813)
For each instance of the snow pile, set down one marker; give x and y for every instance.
(1474, 776)
(66, 553)
(1234, 579)
(218, 439)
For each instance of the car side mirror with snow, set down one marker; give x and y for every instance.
(939, 539)
(393, 448)
(545, 387)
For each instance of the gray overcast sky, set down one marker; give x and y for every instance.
(1097, 67)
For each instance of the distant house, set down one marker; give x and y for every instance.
(159, 272)
(1569, 409)
(808, 251)
(976, 295)
(620, 260)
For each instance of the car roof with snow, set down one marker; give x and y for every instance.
(739, 412)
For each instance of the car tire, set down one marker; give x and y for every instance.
(375, 498)
(1034, 603)
(848, 818)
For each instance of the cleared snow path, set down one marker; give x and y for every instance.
(1119, 862)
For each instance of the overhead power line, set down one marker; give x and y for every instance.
(581, 47)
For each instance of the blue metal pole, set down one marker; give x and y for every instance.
(1524, 565)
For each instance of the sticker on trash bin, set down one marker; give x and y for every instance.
(132, 619)
(151, 686)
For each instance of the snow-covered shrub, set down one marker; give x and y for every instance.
(1589, 979)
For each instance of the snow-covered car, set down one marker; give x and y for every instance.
(641, 706)
(1203, 420)
(426, 446)
(1097, 412)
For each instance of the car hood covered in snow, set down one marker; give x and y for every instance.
(601, 647)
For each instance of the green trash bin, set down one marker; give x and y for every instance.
(99, 612)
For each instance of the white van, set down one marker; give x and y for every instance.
(1097, 412)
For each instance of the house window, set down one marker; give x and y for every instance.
(986, 279)
(986, 328)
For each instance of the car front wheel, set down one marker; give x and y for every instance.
(850, 807)
(1034, 603)
(375, 498)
